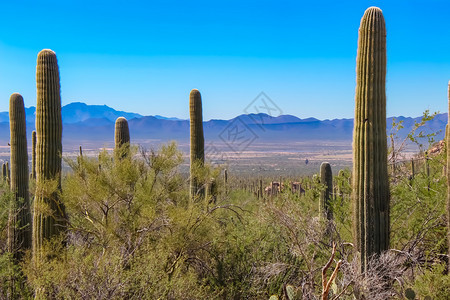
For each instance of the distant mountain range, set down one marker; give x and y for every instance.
(79, 112)
(95, 123)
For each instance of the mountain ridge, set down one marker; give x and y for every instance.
(82, 122)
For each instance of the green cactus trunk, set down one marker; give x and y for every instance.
(48, 151)
(4, 172)
(326, 178)
(197, 141)
(8, 173)
(447, 136)
(19, 233)
(370, 175)
(33, 154)
(121, 137)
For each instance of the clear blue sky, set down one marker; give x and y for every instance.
(145, 56)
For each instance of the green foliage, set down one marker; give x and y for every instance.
(341, 206)
(417, 134)
(433, 283)
(12, 280)
(135, 233)
(418, 212)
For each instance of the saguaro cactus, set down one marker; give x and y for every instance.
(370, 175)
(4, 172)
(33, 154)
(447, 136)
(19, 233)
(197, 140)
(8, 173)
(326, 178)
(49, 213)
(121, 136)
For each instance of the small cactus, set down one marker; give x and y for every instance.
(48, 151)
(8, 173)
(211, 191)
(19, 237)
(4, 172)
(410, 294)
(326, 178)
(225, 180)
(289, 292)
(197, 140)
(121, 137)
(370, 175)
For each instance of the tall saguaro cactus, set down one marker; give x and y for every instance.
(19, 233)
(197, 139)
(49, 214)
(326, 178)
(370, 175)
(448, 177)
(33, 154)
(121, 136)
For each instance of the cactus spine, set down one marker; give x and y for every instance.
(19, 233)
(33, 154)
(121, 136)
(197, 140)
(326, 178)
(48, 150)
(370, 175)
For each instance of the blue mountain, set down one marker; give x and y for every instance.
(95, 123)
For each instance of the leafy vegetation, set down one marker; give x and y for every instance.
(134, 232)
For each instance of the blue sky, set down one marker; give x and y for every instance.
(145, 56)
